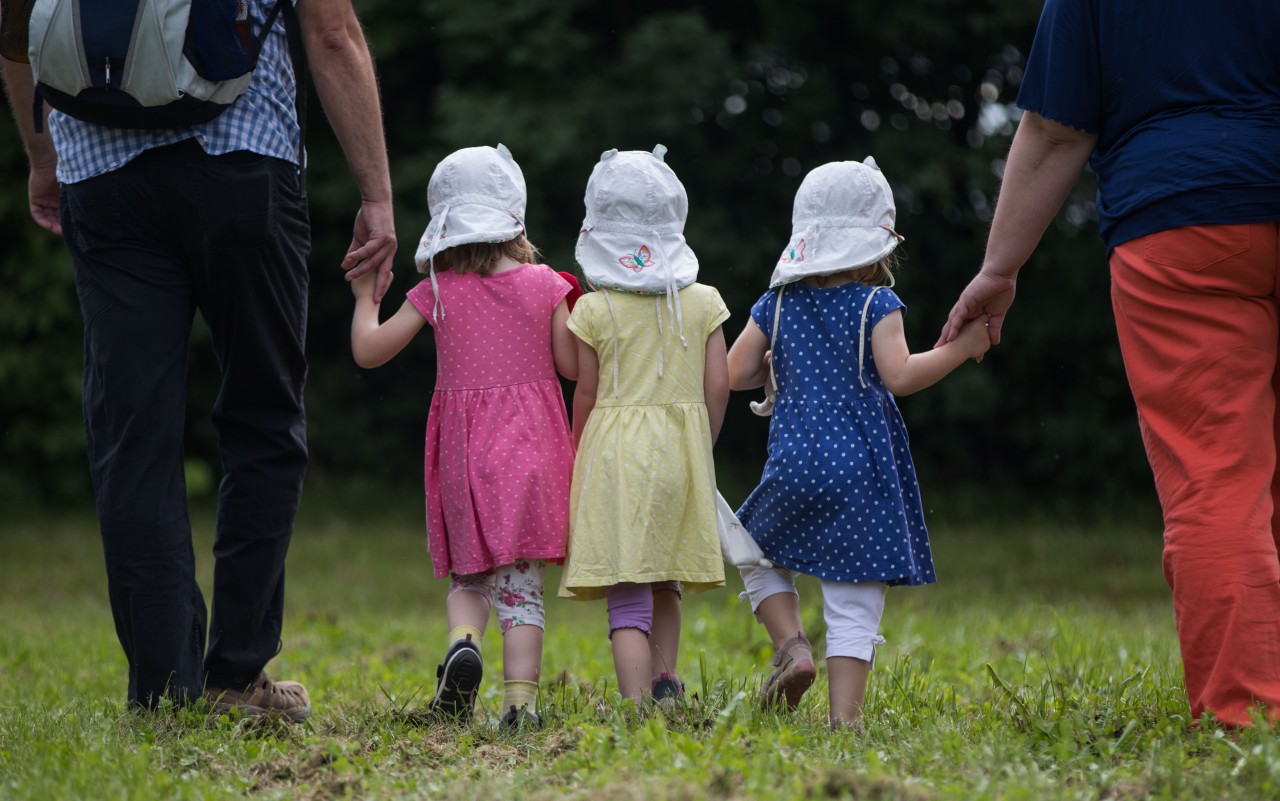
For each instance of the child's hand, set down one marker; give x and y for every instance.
(362, 286)
(974, 339)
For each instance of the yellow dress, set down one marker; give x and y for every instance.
(642, 507)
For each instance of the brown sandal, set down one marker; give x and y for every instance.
(793, 673)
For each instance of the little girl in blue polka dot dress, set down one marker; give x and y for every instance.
(839, 498)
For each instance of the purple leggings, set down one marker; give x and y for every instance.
(631, 605)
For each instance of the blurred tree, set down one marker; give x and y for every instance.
(748, 97)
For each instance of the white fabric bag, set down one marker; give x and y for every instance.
(736, 544)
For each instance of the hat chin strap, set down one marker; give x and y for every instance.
(437, 308)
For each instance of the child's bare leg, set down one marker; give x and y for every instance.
(630, 622)
(848, 677)
(773, 596)
(631, 662)
(522, 654)
(780, 614)
(853, 612)
(664, 642)
(518, 599)
(468, 610)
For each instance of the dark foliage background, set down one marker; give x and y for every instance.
(748, 97)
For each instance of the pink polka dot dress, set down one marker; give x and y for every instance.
(499, 454)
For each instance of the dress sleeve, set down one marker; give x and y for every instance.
(422, 298)
(580, 321)
(884, 302)
(556, 287)
(1063, 78)
(762, 313)
(717, 312)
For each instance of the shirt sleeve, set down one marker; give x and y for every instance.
(423, 299)
(1063, 78)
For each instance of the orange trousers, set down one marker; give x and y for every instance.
(1198, 316)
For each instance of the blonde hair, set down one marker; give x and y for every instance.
(879, 274)
(482, 257)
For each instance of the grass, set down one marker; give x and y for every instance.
(1043, 665)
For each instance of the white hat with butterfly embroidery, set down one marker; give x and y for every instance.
(632, 238)
(843, 219)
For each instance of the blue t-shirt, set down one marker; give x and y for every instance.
(1184, 98)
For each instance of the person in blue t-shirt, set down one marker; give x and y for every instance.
(1176, 107)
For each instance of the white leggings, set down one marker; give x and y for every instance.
(852, 610)
(514, 591)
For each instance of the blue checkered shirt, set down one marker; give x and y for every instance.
(262, 120)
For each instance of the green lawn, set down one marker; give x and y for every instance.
(1043, 665)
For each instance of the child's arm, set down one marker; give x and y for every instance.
(747, 367)
(584, 394)
(715, 381)
(372, 344)
(905, 372)
(564, 345)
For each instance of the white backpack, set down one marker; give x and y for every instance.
(145, 63)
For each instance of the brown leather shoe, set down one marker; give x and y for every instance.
(263, 697)
(793, 672)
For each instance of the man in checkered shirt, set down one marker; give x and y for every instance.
(211, 217)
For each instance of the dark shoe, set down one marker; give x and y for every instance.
(459, 678)
(667, 688)
(793, 672)
(521, 718)
(263, 697)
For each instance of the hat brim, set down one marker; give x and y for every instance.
(633, 263)
(466, 225)
(828, 250)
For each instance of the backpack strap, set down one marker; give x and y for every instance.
(862, 335)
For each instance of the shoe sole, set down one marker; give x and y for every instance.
(458, 684)
(792, 685)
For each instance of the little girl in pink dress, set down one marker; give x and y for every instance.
(499, 454)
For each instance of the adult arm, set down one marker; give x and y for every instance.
(43, 192)
(715, 381)
(342, 70)
(1045, 160)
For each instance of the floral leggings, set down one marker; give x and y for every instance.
(514, 591)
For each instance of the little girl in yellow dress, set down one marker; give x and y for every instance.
(652, 387)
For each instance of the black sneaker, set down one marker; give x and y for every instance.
(459, 679)
(667, 688)
(516, 719)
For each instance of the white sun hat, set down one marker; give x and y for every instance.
(632, 238)
(476, 194)
(843, 219)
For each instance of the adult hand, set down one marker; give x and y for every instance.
(373, 244)
(989, 294)
(44, 195)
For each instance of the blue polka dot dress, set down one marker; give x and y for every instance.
(839, 498)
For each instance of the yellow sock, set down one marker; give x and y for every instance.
(464, 632)
(520, 694)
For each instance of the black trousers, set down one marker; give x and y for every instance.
(171, 232)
